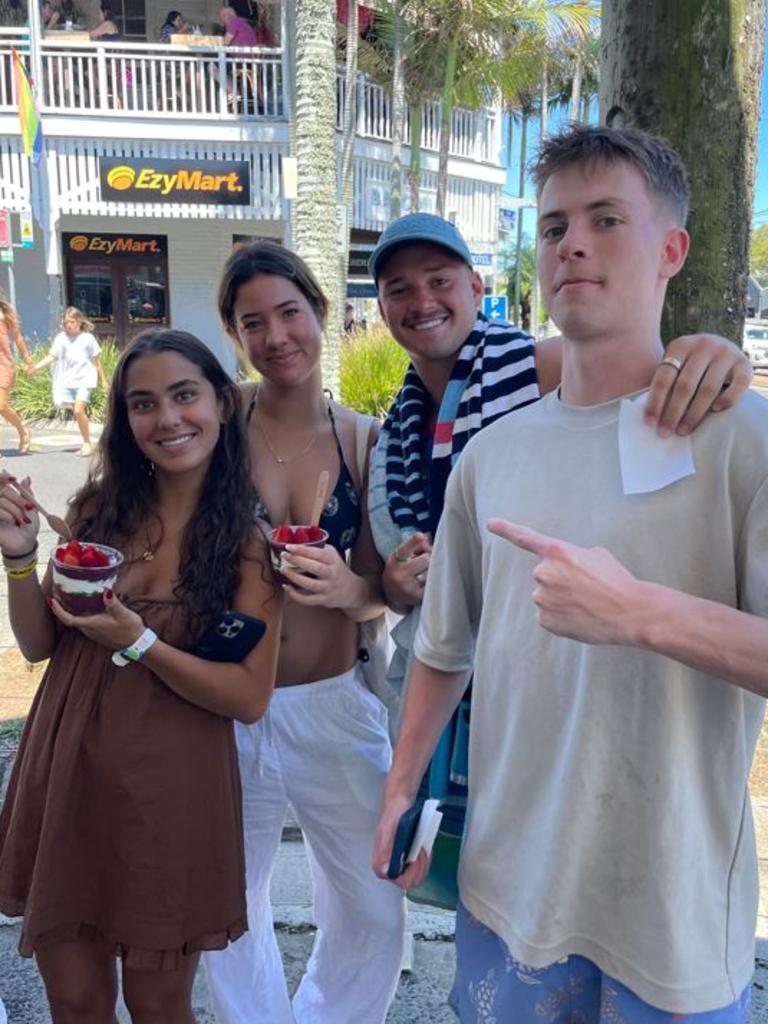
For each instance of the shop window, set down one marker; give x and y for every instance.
(145, 288)
(92, 291)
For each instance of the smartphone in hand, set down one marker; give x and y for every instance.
(404, 836)
(232, 638)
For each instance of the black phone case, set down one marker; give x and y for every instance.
(404, 835)
(232, 638)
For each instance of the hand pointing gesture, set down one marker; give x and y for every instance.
(582, 593)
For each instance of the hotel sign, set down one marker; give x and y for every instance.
(219, 182)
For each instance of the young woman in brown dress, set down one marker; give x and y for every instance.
(121, 834)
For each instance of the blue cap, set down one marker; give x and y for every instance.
(418, 227)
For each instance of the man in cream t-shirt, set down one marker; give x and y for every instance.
(608, 872)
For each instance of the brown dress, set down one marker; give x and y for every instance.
(122, 820)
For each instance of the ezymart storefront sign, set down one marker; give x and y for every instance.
(220, 182)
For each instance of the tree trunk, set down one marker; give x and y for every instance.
(518, 313)
(398, 116)
(543, 133)
(414, 166)
(578, 68)
(446, 116)
(316, 218)
(345, 194)
(691, 71)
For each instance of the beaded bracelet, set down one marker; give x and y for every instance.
(23, 572)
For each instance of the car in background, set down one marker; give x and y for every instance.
(756, 343)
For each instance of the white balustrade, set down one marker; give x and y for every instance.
(154, 81)
(128, 79)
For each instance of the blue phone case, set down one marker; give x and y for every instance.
(404, 835)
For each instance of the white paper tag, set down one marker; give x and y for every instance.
(426, 831)
(649, 462)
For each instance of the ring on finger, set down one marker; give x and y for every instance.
(421, 578)
(399, 557)
(673, 361)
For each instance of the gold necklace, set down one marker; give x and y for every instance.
(279, 459)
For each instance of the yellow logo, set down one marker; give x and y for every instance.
(121, 178)
(79, 243)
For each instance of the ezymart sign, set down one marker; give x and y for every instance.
(221, 182)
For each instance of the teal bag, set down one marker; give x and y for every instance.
(446, 780)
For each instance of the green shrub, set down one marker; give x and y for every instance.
(32, 397)
(372, 369)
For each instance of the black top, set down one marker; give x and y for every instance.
(341, 515)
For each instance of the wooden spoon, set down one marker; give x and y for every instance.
(56, 523)
(320, 495)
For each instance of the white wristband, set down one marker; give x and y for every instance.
(137, 650)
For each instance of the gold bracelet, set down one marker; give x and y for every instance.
(22, 573)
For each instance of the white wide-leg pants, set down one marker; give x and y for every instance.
(323, 748)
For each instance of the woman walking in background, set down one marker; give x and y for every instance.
(10, 334)
(323, 746)
(76, 368)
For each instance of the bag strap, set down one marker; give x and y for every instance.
(363, 424)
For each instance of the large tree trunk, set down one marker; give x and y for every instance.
(691, 71)
(316, 221)
(398, 115)
(446, 117)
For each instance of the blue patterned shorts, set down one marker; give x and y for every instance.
(493, 988)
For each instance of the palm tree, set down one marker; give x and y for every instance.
(315, 228)
(488, 47)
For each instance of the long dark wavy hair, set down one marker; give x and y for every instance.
(118, 500)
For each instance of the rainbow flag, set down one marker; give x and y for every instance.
(31, 128)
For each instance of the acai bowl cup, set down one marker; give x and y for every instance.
(277, 540)
(79, 588)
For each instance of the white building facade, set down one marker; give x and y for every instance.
(158, 159)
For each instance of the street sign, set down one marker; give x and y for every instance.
(27, 232)
(5, 231)
(495, 307)
(482, 259)
(507, 219)
(6, 255)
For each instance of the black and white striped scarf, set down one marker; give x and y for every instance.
(495, 372)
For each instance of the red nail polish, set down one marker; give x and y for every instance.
(28, 505)
(50, 602)
(27, 519)
(108, 594)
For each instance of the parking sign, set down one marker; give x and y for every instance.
(495, 307)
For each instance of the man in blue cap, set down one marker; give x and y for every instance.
(466, 372)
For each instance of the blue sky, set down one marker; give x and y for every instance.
(760, 208)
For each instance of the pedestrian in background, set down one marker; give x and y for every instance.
(10, 334)
(76, 368)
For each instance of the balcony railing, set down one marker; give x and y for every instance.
(118, 80)
(474, 134)
(152, 81)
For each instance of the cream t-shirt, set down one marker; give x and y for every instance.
(608, 814)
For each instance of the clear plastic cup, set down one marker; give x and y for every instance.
(79, 589)
(277, 548)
